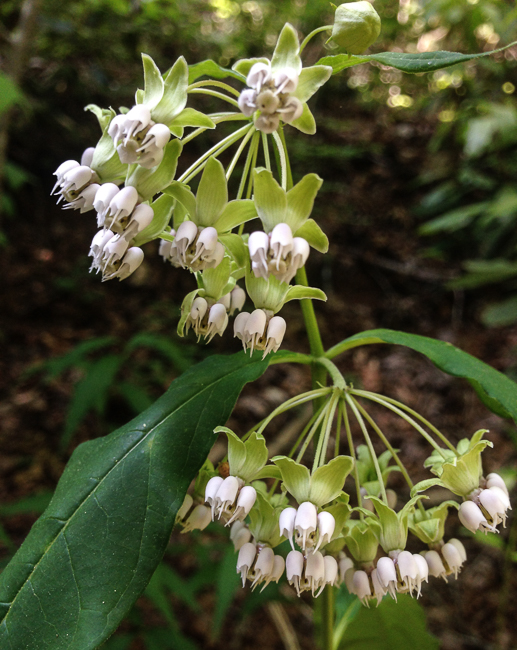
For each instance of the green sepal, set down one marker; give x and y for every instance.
(174, 95)
(191, 117)
(301, 292)
(236, 248)
(296, 478)
(366, 468)
(313, 235)
(328, 480)
(149, 182)
(177, 131)
(361, 540)
(287, 49)
(356, 26)
(424, 485)
(212, 193)
(264, 521)
(235, 213)
(206, 472)
(211, 69)
(139, 99)
(103, 115)
(270, 199)
(162, 208)
(393, 525)
(182, 193)
(310, 80)
(186, 306)
(269, 471)
(306, 122)
(153, 83)
(106, 162)
(266, 294)
(215, 281)
(246, 459)
(430, 528)
(300, 200)
(243, 66)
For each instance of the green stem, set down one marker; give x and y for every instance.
(213, 82)
(352, 453)
(196, 167)
(291, 403)
(327, 616)
(380, 400)
(321, 414)
(217, 118)
(247, 164)
(265, 146)
(283, 161)
(338, 428)
(306, 428)
(323, 442)
(422, 419)
(368, 440)
(287, 162)
(332, 369)
(325, 28)
(214, 93)
(235, 159)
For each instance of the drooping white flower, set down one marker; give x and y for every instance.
(473, 519)
(268, 123)
(246, 499)
(259, 331)
(254, 329)
(326, 526)
(361, 586)
(245, 560)
(314, 572)
(217, 321)
(407, 570)
(263, 566)
(237, 299)
(105, 194)
(452, 557)
(494, 480)
(258, 245)
(151, 149)
(331, 570)
(140, 218)
(246, 102)
(211, 489)
(291, 110)
(97, 248)
(294, 565)
(197, 314)
(422, 571)
(459, 547)
(492, 505)
(275, 334)
(205, 244)
(113, 253)
(73, 180)
(87, 156)
(120, 208)
(379, 591)
(387, 575)
(305, 524)
(435, 565)
(276, 572)
(226, 495)
(61, 171)
(240, 534)
(345, 563)
(126, 266)
(286, 524)
(286, 80)
(84, 199)
(259, 74)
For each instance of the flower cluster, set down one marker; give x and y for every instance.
(485, 508)
(270, 94)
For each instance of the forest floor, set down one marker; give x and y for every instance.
(374, 276)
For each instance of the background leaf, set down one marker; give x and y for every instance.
(95, 548)
(496, 390)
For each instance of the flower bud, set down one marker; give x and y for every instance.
(87, 157)
(198, 519)
(242, 537)
(305, 524)
(494, 480)
(356, 26)
(225, 301)
(331, 570)
(237, 299)
(267, 102)
(361, 586)
(459, 547)
(452, 557)
(345, 563)
(286, 524)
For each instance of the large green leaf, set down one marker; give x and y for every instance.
(496, 390)
(391, 626)
(407, 62)
(95, 548)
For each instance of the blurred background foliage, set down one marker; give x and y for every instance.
(56, 57)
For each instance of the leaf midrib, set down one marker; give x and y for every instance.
(62, 531)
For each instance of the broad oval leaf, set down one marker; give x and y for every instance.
(496, 391)
(93, 551)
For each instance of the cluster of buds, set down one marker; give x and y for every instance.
(193, 247)
(269, 93)
(208, 318)
(229, 498)
(277, 253)
(137, 138)
(260, 330)
(77, 183)
(485, 508)
(259, 564)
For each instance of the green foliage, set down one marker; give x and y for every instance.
(495, 389)
(391, 626)
(97, 545)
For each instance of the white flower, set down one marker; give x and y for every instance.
(240, 534)
(83, 200)
(61, 171)
(294, 569)
(120, 208)
(211, 489)
(387, 575)
(113, 253)
(275, 334)
(259, 74)
(494, 480)
(286, 524)
(263, 566)
(459, 547)
(197, 314)
(246, 499)
(199, 519)
(237, 299)
(247, 103)
(305, 524)
(361, 586)
(140, 218)
(326, 526)
(278, 253)
(105, 194)
(407, 572)
(422, 569)
(286, 80)
(268, 123)
(314, 572)
(452, 557)
(258, 245)
(492, 505)
(151, 149)
(473, 519)
(87, 157)
(245, 560)
(267, 102)
(72, 180)
(97, 248)
(259, 331)
(276, 572)
(291, 110)
(435, 565)
(345, 563)
(379, 591)
(226, 495)
(185, 507)
(254, 330)
(126, 266)
(331, 570)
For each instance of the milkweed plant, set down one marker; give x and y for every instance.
(97, 545)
